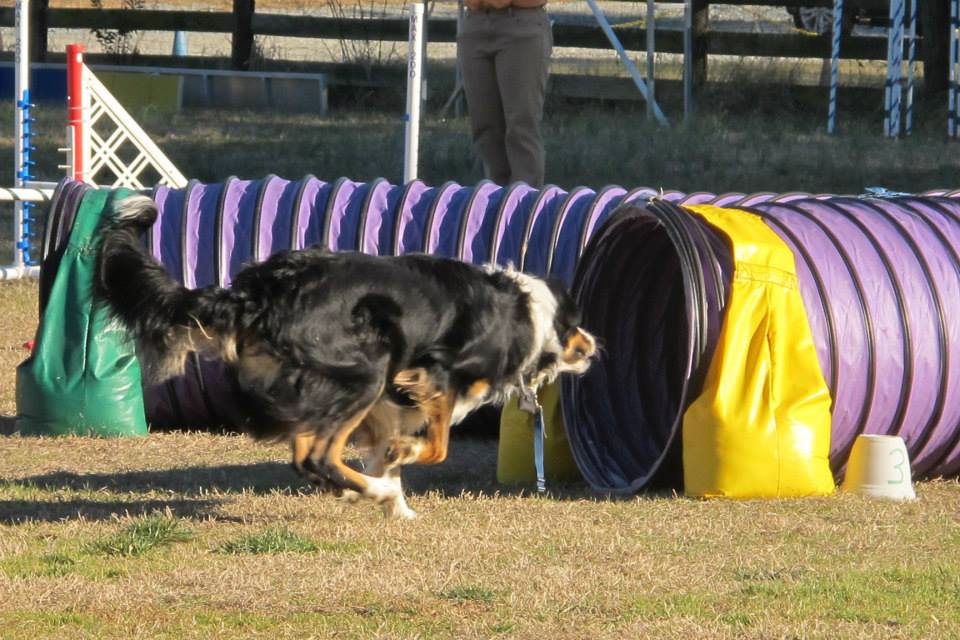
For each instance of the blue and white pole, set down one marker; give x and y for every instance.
(911, 64)
(892, 90)
(22, 211)
(834, 65)
(628, 63)
(411, 118)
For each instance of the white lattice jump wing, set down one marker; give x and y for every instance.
(109, 129)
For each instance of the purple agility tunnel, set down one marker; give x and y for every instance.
(206, 232)
(879, 278)
(880, 282)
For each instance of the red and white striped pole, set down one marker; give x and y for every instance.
(76, 104)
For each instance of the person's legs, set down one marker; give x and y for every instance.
(475, 53)
(522, 65)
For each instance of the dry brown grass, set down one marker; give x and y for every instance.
(478, 563)
(18, 319)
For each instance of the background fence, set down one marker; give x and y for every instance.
(368, 38)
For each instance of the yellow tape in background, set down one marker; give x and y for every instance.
(761, 426)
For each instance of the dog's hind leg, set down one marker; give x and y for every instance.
(374, 438)
(386, 490)
(375, 464)
(397, 507)
(304, 444)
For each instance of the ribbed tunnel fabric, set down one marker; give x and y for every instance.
(880, 281)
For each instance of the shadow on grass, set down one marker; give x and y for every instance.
(470, 469)
(258, 478)
(21, 511)
(460, 474)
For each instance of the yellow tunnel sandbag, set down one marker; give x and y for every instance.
(761, 425)
(515, 463)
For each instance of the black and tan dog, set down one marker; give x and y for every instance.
(326, 347)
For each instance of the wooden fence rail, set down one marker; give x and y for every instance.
(244, 24)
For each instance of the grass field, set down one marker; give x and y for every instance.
(190, 535)
(194, 535)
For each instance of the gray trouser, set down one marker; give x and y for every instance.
(504, 58)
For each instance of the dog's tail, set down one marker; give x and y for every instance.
(167, 320)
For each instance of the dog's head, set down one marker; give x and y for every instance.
(561, 345)
(578, 345)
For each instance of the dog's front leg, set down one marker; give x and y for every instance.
(437, 409)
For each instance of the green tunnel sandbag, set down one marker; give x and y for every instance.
(83, 377)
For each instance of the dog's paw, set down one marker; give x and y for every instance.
(403, 450)
(402, 513)
(350, 496)
(312, 474)
(397, 509)
(324, 485)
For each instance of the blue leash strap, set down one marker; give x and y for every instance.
(527, 401)
(539, 434)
